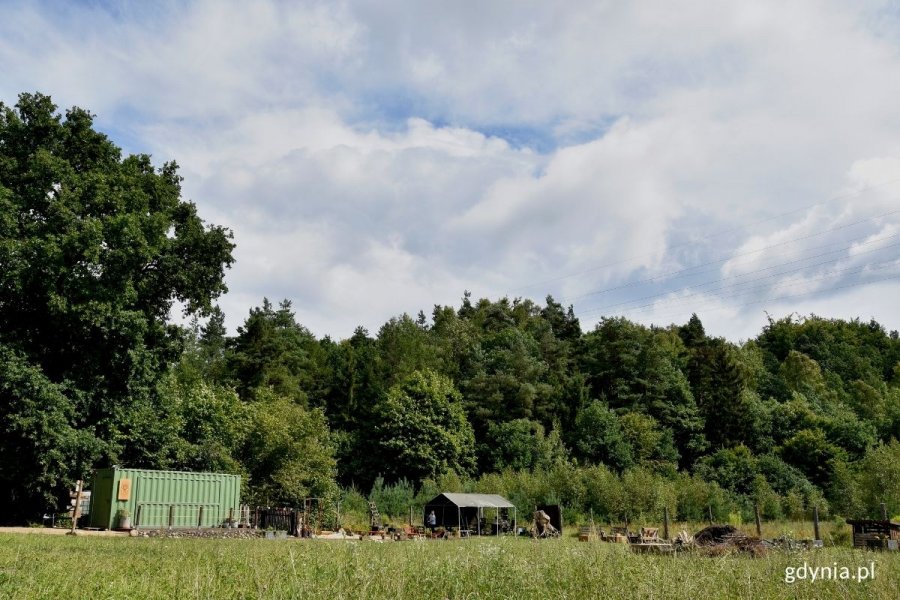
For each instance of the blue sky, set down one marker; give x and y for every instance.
(644, 159)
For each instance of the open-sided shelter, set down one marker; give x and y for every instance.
(467, 512)
(875, 533)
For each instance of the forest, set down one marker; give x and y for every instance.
(509, 396)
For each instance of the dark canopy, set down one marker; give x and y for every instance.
(451, 510)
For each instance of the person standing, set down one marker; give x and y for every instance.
(431, 521)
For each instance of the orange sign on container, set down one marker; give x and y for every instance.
(124, 489)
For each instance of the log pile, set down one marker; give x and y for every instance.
(723, 539)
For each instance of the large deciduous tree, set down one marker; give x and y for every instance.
(94, 251)
(287, 452)
(422, 429)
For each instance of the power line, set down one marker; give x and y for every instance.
(713, 235)
(687, 300)
(708, 309)
(771, 276)
(686, 271)
(682, 306)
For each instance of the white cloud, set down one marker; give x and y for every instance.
(376, 158)
(344, 220)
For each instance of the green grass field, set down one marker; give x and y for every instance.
(38, 566)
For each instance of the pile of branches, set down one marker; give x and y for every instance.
(717, 540)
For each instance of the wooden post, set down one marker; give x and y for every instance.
(709, 509)
(758, 521)
(76, 510)
(171, 516)
(884, 514)
(230, 516)
(200, 518)
(665, 522)
(816, 523)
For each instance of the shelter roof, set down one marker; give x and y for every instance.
(875, 522)
(473, 500)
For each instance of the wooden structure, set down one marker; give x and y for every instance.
(311, 518)
(657, 547)
(617, 535)
(876, 534)
(374, 518)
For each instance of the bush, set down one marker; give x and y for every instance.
(695, 496)
(393, 501)
(354, 510)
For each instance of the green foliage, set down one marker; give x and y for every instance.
(354, 510)
(810, 451)
(44, 451)
(272, 351)
(287, 452)
(652, 444)
(735, 469)
(213, 426)
(422, 429)
(765, 498)
(507, 383)
(626, 365)
(647, 493)
(349, 384)
(405, 346)
(94, 251)
(696, 496)
(394, 500)
(717, 383)
(598, 437)
(97, 248)
(519, 444)
(879, 480)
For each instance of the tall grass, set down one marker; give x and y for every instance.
(33, 566)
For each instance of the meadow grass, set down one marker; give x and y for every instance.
(834, 532)
(36, 566)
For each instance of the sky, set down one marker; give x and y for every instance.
(740, 160)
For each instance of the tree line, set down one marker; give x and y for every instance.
(505, 395)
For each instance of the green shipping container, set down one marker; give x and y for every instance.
(154, 499)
